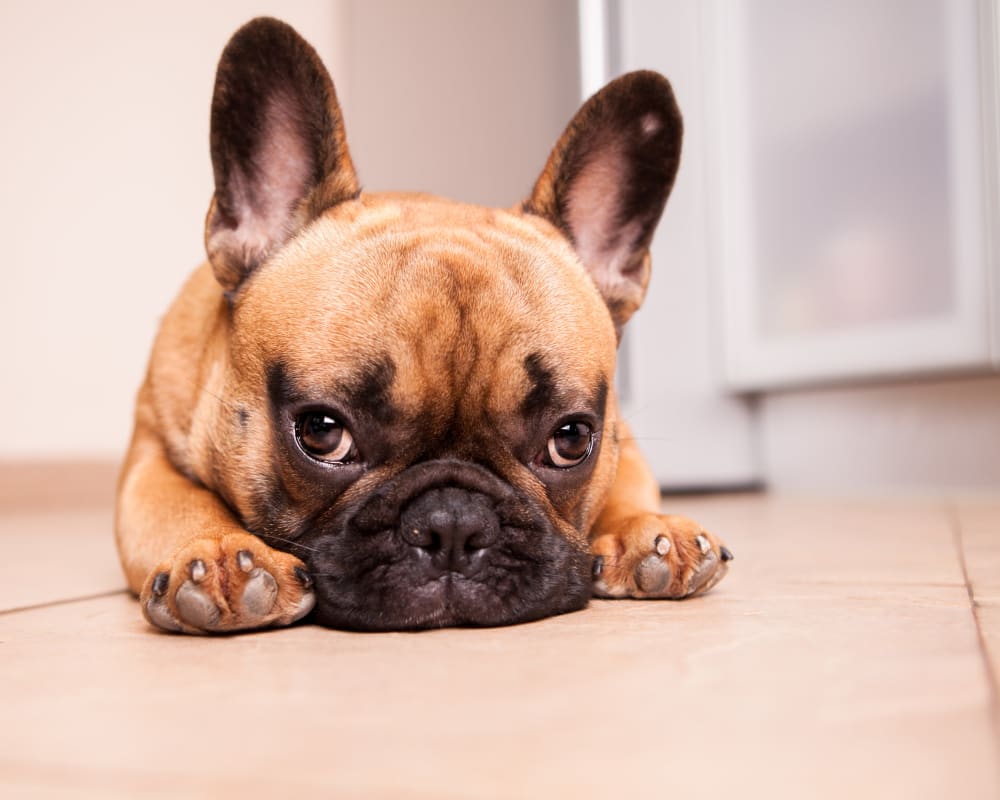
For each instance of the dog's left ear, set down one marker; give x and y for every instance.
(607, 181)
(279, 152)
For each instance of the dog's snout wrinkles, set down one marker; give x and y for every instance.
(453, 526)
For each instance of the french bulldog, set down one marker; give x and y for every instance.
(395, 411)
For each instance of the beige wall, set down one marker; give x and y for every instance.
(458, 98)
(106, 176)
(106, 179)
(917, 436)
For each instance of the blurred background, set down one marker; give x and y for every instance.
(825, 303)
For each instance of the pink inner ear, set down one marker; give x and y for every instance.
(283, 171)
(593, 207)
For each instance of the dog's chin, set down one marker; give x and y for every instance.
(398, 596)
(451, 600)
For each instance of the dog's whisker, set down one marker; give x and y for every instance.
(290, 542)
(222, 401)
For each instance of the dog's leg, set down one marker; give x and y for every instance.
(192, 565)
(639, 552)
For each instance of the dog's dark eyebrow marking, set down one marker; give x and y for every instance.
(542, 386)
(543, 392)
(600, 400)
(280, 388)
(367, 394)
(370, 392)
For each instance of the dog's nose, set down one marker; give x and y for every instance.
(451, 525)
(452, 530)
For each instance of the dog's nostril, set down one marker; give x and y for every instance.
(421, 537)
(449, 532)
(452, 525)
(480, 539)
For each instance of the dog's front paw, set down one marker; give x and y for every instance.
(232, 583)
(657, 555)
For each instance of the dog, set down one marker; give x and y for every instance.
(394, 411)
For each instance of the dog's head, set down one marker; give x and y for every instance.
(418, 394)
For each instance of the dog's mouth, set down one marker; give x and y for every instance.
(444, 543)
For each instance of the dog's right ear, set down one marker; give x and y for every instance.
(279, 152)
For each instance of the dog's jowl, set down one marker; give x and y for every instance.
(395, 411)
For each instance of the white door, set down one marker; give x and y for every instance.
(855, 174)
(835, 216)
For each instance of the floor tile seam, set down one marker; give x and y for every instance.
(992, 679)
(63, 601)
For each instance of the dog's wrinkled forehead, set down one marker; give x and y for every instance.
(384, 292)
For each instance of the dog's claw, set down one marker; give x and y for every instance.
(703, 544)
(197, 570)
(597, 567)
(244, 560)
(662, 545)
(304, 578)
(160, 584)
(727, 554)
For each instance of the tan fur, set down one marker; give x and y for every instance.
(186, 452)
(458, 297)
(184, 411)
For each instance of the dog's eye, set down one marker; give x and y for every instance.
(324, 437)
(570, 445)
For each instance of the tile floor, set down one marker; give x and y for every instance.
(853, 652)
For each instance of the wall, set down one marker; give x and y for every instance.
(462, 99)
(106, 180)
(919, 436)
(106, 174)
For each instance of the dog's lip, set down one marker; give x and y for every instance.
(435, 604)
(443, 613)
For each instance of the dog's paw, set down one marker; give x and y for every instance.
(656, 555)
(232, 583)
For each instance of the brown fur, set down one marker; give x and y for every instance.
(435, 306)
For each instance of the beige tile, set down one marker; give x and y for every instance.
(744, 693)
(988, 616)
(979, 522)
(55, 556)
(800, 543)
(839, 659)
(980, 536)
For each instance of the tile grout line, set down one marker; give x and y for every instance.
(65, 602)
(992, 679)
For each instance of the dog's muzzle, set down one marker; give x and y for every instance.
(445, 542)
